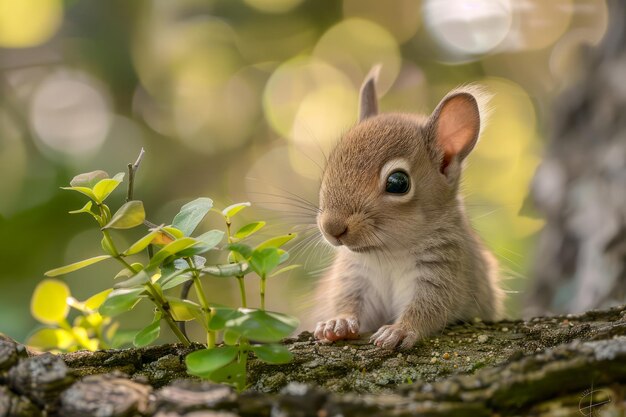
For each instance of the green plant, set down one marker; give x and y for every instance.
(175, 257)
(50, 305)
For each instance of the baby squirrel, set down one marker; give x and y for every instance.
(408, 261)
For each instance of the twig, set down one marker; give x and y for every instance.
(132, 169)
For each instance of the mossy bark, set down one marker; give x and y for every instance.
(509, 367)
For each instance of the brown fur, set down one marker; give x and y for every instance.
(406, 265)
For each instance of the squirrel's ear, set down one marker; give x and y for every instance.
(454, 127)
(368, 102)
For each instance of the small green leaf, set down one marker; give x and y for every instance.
(234, 374)
(166, 270)
(88, 179)
(136, 280)
(221, 315)
(263, 326)
(128, 216)
(231, 210)
(76, 266)
(263, 261)
(170, 249)
(120, 301)
(244, 250)
(106, 186)
(86, 209)
(208, 241)
(273, 353)
(283, 270)
(49, 302)
(150, 333)
(191, 214)
(169, 274)
(125, 272)
(83, 190)
(226, 270)
(48, 339)
(176, 280)
(95, 301)
(276, 242)
(231, 338)
(142, 243)
(203, 362)
(248, 230)
(185, 310)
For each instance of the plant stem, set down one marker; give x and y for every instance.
(263, 292)
(244, 346)
(109, 240)
(242, 291)
(106, 213)
(229, 237)
(126, 264)
(210, 338)
(240, 280)
(197, 285)
(163, 306)
(156, 297)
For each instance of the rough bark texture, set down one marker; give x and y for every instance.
(580, 186)
(539, 367)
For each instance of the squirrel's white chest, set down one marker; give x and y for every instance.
(391, 285)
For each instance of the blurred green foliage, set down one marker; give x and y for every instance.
(241, 99)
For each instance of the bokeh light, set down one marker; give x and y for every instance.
(400, 17)
(70, 114)
(538, 24)
(322, 116)
(26, 23)
(291, 83)
(468, 28)
(355, 45)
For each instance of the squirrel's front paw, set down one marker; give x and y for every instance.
(337, 329)
(393, 335)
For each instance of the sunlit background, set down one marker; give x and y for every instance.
(239, 100)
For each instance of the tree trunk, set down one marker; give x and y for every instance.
(580, 186)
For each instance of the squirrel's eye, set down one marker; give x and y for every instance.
(398, 183)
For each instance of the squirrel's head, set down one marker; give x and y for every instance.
(394, 176)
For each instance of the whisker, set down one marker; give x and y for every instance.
(305, 208)
(302, 199)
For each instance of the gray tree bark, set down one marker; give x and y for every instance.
(580, 186)
(538, 367)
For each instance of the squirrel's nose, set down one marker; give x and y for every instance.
(335, 227)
